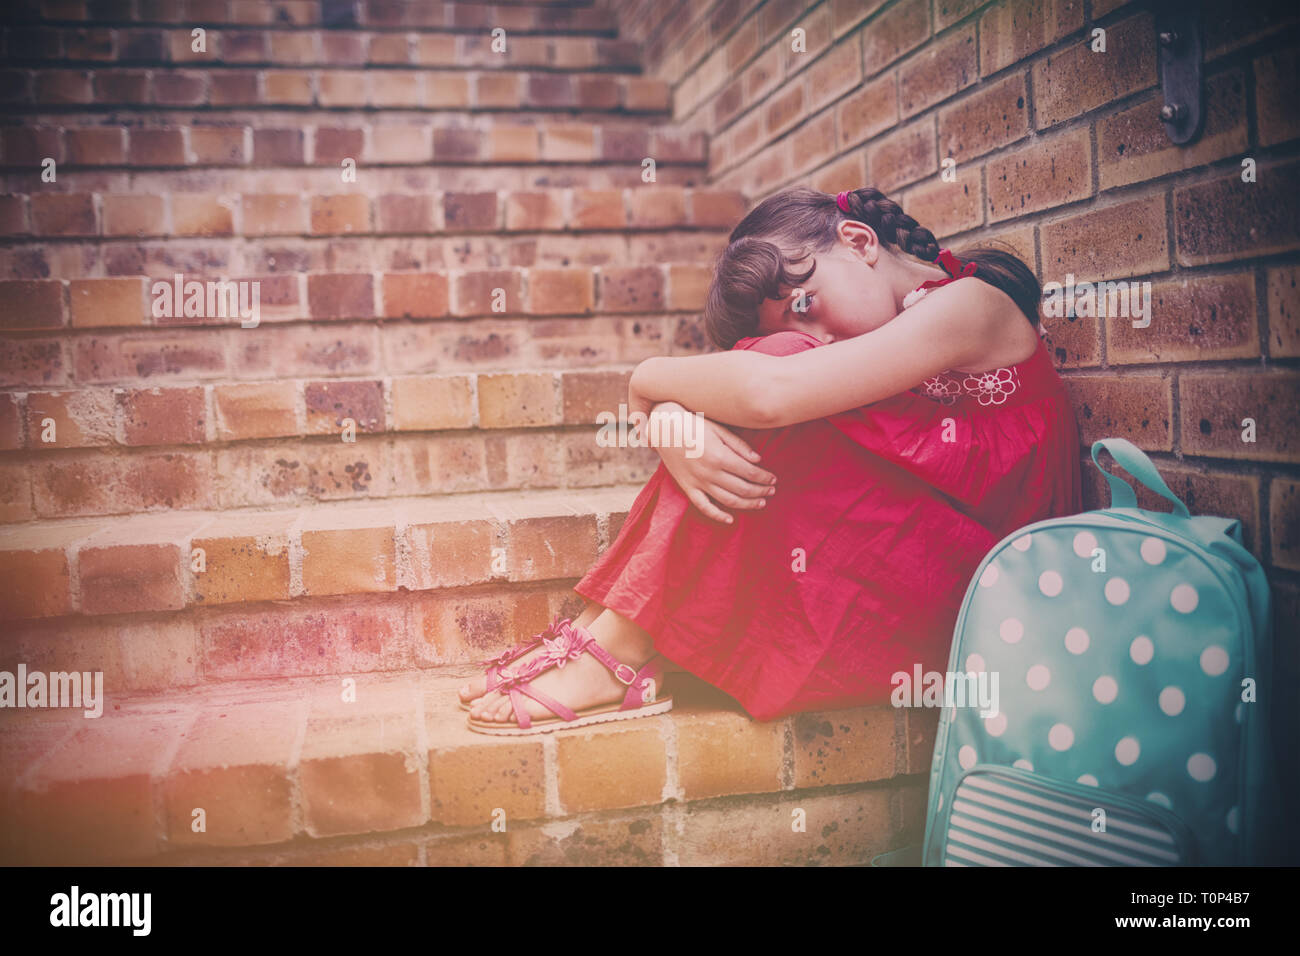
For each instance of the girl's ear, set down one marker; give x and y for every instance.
(861, 240)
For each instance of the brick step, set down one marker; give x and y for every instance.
(216, 215)
(568, 16)
(251, 88)
(145, 563)
(264, 257)
(206, 414)
(372, 181)
(305, 771)
(324, 142)
(341, 349)
(136, 302)
(94, 451)
(69, 47)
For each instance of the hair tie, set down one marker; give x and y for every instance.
(954, 266)
(842, 200)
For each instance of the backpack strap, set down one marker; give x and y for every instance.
(1137, 464)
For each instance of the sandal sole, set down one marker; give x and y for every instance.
(661, 706)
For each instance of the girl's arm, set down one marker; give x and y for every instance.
(951, 326)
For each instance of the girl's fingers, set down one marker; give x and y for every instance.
(736, 443)
(742, 488)
(707, 507)
(725, 497)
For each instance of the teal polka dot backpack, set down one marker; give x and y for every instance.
(1106, 697)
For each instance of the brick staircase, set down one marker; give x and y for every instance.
(392, 474)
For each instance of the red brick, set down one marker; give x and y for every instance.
(194, 214)
(255, 410)
(333, 145)
(349, 560)
(265, 215)
(1139, 407)
(476, 211)
(1076, 80)
(36, 575)
(284, 88)
(217, 145)
(31, 304)
(560, 291)
(32, 145)
(243, 560)
(332, 215)
(127, 87)
(432, 403)
(635, 289)
(992, 116)
(11, 422)
(133, 215)
(279, 147)
(1214, 404)
(1011, 32)
(329, 404)
(1284, 519)
(512, 400)
(396, 88)
(95, 147)
(155, 147)
(79, 419)
(1225, 219)
(415, 295)
(657, 207)
(127, 578)
(512, 144)
(234, 88)
(1116, 242)
(57, 87)
(402, 213)
(13, 216)
(340, 296)
(846, 746)
(163, 416)
(611, 768)
(1283, 311)
(549, 548)
(1048, 173)
(475, 296)
(534, 211)
(63, 214)
(1207, 317)
(108, 302)
(597, 209)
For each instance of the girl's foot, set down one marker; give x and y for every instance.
(582, 682)
(478, 685)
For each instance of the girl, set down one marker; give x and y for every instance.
(909, 406)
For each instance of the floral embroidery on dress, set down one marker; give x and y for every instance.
(993, 387)
(988, 388)
(941, 389)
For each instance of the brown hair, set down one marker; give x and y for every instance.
(753, 267)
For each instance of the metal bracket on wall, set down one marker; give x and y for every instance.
(1179, 51)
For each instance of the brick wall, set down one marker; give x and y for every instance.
(1059, 151)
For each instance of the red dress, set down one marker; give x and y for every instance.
(856, 567)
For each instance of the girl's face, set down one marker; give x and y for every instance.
(850, 293)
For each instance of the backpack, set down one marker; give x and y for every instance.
(1127, 732)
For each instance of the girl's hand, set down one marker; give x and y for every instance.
(723, 471)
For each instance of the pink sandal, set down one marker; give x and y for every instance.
(495, 665)
(572, 642)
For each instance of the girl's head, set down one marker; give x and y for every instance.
(853, 267)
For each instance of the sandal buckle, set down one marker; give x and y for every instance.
(629, 669)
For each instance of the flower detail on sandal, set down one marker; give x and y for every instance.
(992, 387)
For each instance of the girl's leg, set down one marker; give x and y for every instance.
(584, 682)
(475, 687)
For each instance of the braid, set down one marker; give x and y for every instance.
(891, 224)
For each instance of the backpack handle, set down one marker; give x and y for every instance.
(1140, 467)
